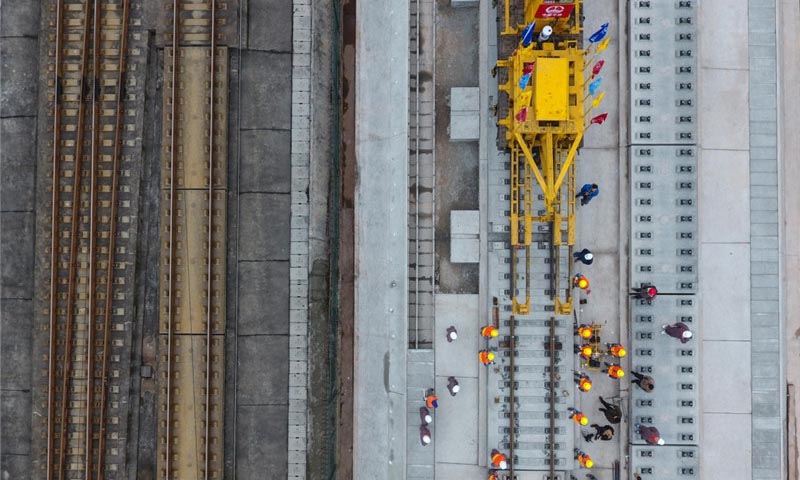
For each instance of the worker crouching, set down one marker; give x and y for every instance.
(584, 459)
(578, 417)
(490, 331)
(499, 460)
(486, 357)
(616, 350)
(583, 382)
(614, 371)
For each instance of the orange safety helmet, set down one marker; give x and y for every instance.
(580, 418)
(615, 371)
(580, 281)
(585, 384)
(585, 460)
(490, 331)
(586, 351)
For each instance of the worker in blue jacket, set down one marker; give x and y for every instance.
(588, 192)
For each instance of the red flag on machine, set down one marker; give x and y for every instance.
(597, 67)
(599, 119)
(522, 115)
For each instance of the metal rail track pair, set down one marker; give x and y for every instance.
(81, 279)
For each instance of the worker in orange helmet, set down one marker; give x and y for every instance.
(490, 331)
(585, 351)
(584, 331)
(493, 475)
(583, 382)
(616, 350)
(431, 400)
(614, 370)
(580, 281)
(578, 417)
(486, 357)
(499, 460)
(584, 459)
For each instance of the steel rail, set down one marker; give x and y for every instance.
(417, 131)
(512, 408)
(112, 235)
(74, 240)
(173, 206)
(54, 244)
(89, 443)
(210, 252)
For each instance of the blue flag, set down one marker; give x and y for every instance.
(600, 34)
(595, 85)
(527, 34)
(523, 81)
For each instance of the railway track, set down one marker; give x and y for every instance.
(193, 232)
(421, 176)
(89, 223)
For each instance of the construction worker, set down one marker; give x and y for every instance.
(490, 331)
(424, 435)
(606, 432)
(453, 386)
(580, 281)
(586, 351)
(616, 350)
(588, 192)
(584, 459)
(645, 382)
(612, 412)
(678, 330)
(645, 291)
(651, 435)
(578, 417)
(486, 357)
(614, 370)
(585, 332)
(493, 475)
(452, 333)
(499, 460)
(431, 400)
(425, 416)
(583, 382)
(585, 256)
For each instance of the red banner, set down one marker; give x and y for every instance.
(554, 10)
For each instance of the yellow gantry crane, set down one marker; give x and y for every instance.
(543, 129)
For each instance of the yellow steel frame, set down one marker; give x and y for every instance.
(544, 150)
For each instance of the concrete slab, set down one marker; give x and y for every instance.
(726, 309)
(263, 370)
(463, 472)
(721, 31)
(16, 254)
(278, 15)
(464, 126)
(465, 250)
(15, 466)
(725, 372)
(724, 201)
(456, 438)
(266, 80)
(263, 298)
(17, 163)
(725, 437)
(465, 99)
(15, 422)
(18, 67)
(265, 227)
(262, 431)
(16, 323)
(19, 19)
(464, 222)
(266, 161)
(458, 358)
(721, 99)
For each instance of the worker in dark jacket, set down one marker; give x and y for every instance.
(645, 382)
(605, 432)
(584, 256)
(645, 291)
(651, 435)
(678, 330)
(612, 412)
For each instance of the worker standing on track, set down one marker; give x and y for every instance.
(452, 333)
(583, 382)
(490, 331)
(613, 370)
(499, 460)
(612, 412)
(678, 330)
(486, 357)
(651, 435)
(585, 256)
(616, 350)
(645, 382)
(578, 417)
(588, 192)
(431, 400)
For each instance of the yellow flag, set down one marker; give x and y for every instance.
(603, 45)
(524, 98)
(596, 101)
